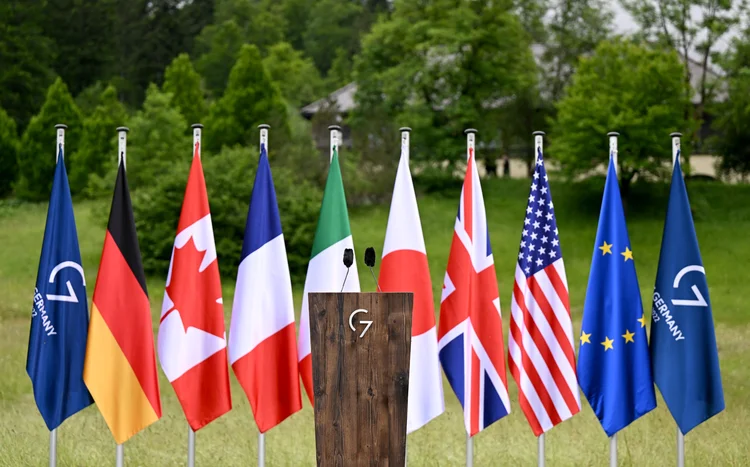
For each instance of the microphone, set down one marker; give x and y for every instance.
(370, 262)
(348, 261)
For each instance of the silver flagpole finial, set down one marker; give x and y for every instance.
(122, 139)
(336, 138)
(60, 143)
(405, 130)
(612, 135)
(675, 146)
(197, 134)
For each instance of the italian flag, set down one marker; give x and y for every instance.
(326, 270)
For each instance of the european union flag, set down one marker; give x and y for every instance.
(683, 344)
(614, 369)
(59, 315)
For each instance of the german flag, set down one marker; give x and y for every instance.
(120, 365)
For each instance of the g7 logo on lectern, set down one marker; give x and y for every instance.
(699, 300)
(351, 323)
(71, 297)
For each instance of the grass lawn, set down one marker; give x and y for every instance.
(722, 222)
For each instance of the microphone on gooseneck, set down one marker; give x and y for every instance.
(370, 262)
(348, 261)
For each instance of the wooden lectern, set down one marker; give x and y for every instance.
(361, 344)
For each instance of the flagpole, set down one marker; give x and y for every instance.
(680, 437)
(405, 130)
(538, 146)
(122, 136)
(336, 138)
(613, 154)
(59, 144)
(262, 437)
(470, 148)
(197, 130)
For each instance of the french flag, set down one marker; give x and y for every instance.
(262, 339)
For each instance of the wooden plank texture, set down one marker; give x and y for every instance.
(361, 384)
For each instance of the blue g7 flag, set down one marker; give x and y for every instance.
(683, 345)
(59, 315)
(614, 369)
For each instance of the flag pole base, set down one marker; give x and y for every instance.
(120, 456)
(680, 448)
(53, 448)
(613, 450)
(469, 451)
(261, 450)
(191, 447)
(540, 453)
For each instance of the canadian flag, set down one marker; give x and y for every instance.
(405, 269)
(192, 339)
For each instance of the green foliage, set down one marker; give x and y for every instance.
(330, 27)
(36, 157)
(156, 142)
(98, 151)
(184, 84)
(625, 87)
(8, 153)
(733, 124)
(340, 73)
(296, 76)
(157, 209)
(251, 98)
(236, 22)
(26, 56)
(440, 68)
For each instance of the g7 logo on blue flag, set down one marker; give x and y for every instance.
(71, 297)
(699, 300)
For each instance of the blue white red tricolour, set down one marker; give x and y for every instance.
(470, 333)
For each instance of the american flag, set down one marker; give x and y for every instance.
(540, 347)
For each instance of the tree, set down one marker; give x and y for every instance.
(689, 26)
(27, 56)
(98, 148)
(330, 27)
(575, 28)
(184, 84)
(442, 67)
(8, 153)
(36, 157)
(626, 87)
(340, 73)
(157, 134)
(251, 98)
(236, 22)
(296, 75)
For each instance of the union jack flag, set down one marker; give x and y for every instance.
(540, 345)
(470, 333)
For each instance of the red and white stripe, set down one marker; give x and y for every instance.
(540, 347)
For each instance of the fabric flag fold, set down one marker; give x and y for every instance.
(404, 269)
(683, 344)
(192, 338)
(614, 368)
(120, 366)
(262, 344)
(470, 331)
(326, 270)
(59, 314)
(541, 355)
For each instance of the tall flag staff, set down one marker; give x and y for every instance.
(192, 337)
(120, 365)
(470, 331)
(683, 347)
(59, 315)
(262, 344)
(541, 356)
(614, 367)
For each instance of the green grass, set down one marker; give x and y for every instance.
(722, 221)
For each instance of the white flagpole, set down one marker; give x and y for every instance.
(262, 437)
(122, 137)
(197, 130)
(680, 436)
(470, 148)
(336, 138)
(538, 146)
(59, 144)
(405, 153)
(613, 152)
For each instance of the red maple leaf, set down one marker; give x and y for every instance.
(194, 293)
